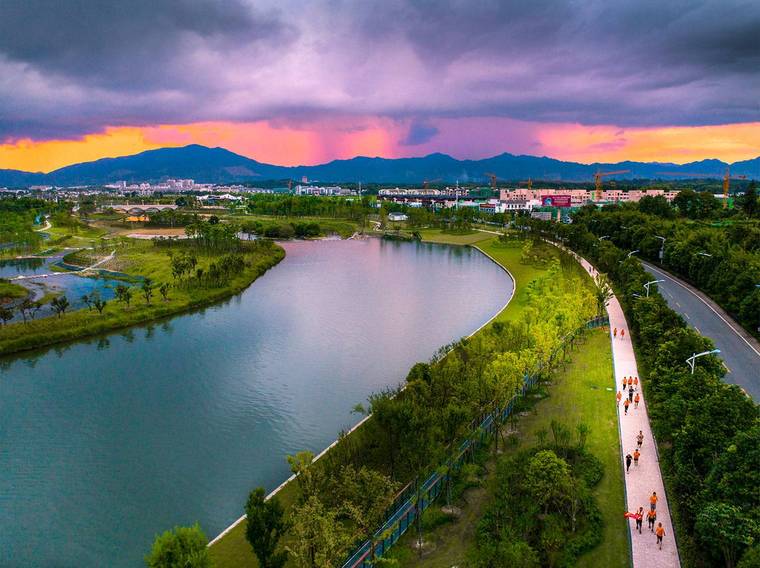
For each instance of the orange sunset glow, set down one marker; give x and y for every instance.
(314, 143)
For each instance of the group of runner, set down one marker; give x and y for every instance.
(638, 516)
(631, 384)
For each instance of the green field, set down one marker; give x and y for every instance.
(453, 238)
(578, 394)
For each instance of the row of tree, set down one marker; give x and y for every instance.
(708, 431)
(722, 261)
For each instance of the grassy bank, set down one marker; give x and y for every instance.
(144, 259)
(467, 237)
(577, 394)
(233, 549)
(11, 291)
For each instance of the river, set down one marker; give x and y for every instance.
(106, 442)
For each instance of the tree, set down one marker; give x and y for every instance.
(749, 202)
(24, 308)
(87, 300)
(123, 294)
(548, 479)
(309, 478)
(265, 526)
(320, 539)
(164, 290)
(183, 547)
(147, 289)
(100, 305)
(60, 304)
(6, 314)
(603, 293)
(724, 527)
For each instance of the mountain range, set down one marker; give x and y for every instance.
(218, 165)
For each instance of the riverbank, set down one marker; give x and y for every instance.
(231, 548)
(577, 394)
(147, 261)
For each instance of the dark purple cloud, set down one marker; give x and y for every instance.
(419, 133)
(68, 68)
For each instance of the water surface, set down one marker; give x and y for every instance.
(107, 442)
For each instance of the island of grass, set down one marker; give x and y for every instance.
(153, 279)
(532, 280)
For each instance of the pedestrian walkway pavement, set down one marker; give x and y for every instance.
(644, 478)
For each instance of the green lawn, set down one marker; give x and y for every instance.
(453, 238)
(578, 394)
(11, 291)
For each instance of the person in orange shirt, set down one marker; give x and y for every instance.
(653, 501)
(630, 382)
(625, 382)
(636, 455)
(636, 400)
(651, 518)
(636, 383)
(622, 334)
(618, 397)
(639, 518)
(626, 404)
(614, 332)
(660, 532)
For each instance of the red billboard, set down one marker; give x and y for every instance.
(555, 201)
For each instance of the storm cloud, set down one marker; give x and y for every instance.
(71, 68)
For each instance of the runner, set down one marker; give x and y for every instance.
(651, 518)
(622, 334)
(640, 438)
(628, 459)
(636, 383)
(660, 532)
(630, 394)
(626, 404)
(636, 400)
(653, 501)
(619, 397)
(639, 518)
(625, 382)
(630, 382)
(614, 332)
(636, 455)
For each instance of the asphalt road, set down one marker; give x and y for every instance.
(740, 352)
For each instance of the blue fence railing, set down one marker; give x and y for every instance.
(415, 498)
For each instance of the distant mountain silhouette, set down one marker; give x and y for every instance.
(217, 165)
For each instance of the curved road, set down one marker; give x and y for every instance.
(740, 352)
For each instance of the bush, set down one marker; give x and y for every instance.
(183, 547)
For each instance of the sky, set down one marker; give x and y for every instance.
(292, 82)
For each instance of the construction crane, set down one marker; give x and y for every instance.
(529, 183)
(598, 181)
(727, 177)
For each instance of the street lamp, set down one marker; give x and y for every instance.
(604, 237)
(662, 246)
(635, 295)
(648, 284)
(704, 254)
(693, 359)
(632, 253)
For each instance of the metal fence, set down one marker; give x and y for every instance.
(416, 497)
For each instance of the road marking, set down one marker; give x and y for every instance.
(687, 315)
(726, 366)
(677, 304)
(699, 332)
(667, 276)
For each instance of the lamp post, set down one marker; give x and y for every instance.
(704, 254)
(632, 253)
(648, 284)
(693, 359)
(662, 247)
(604, 237)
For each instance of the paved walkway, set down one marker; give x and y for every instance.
(644, 478)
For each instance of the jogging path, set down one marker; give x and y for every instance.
(646, 477)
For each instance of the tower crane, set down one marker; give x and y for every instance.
(727, 177)
(598, 181)
(529, 183)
